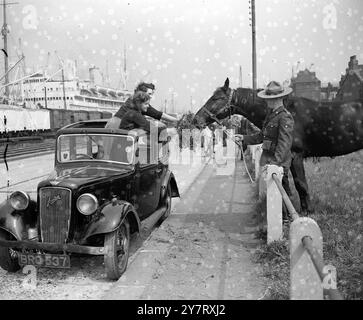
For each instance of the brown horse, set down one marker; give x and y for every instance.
(321, 129)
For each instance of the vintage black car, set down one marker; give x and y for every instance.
(105, 183)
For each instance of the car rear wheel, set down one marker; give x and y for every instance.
(117, 244)
(8, 257)
(167, 203)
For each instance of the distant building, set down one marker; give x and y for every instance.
(351, 84)
(329, 92)
(306, 85)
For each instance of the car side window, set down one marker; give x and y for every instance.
(121, 151)
(147, 154)
(144, 153)
(164, 152)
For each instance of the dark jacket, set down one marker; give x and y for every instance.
(151, 112)
(133, 119)
(276, 136)
(247, 128)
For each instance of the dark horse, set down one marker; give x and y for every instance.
(321, 129)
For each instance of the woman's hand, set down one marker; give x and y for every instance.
(168, 118)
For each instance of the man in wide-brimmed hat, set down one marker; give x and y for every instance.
(277, 132)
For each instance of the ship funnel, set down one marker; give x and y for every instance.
(92, 75)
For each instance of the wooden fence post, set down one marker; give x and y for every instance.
(305, 280)
(273, 204)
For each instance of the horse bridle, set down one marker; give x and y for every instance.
(229, 104)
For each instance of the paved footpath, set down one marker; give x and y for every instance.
(203, 250)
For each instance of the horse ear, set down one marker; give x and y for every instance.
(226, 85)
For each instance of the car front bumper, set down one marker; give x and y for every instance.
(53, 247)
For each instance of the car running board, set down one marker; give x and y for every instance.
(149, 222)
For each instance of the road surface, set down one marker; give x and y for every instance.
(202, 251)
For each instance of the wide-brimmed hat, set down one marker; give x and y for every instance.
(274, 90)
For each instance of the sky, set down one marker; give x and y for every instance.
(188, 47)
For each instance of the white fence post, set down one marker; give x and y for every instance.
(257, 157)
(305, 281)
(251, 150)
(262, 187)
(256, 152)
(273, 203)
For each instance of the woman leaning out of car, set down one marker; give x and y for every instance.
(134, 118)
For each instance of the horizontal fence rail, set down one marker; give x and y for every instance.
(310, 278)
(318, 262)
(285, 198)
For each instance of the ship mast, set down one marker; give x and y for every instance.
(61, 62)
(108, 81)
(4, 32)
(64, 90)
(172, 102)
(125, 69)
(240, 77)
(22, 95)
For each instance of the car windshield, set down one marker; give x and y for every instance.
(95, 147)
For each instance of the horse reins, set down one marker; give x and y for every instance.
(214, 117)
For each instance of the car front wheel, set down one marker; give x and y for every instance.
(8, 257)
(117, 244)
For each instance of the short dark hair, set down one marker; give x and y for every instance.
(143, 86)
(140, 97)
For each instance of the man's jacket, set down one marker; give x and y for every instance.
(246, 127)
(276, 136)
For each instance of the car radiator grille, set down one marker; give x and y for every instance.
(55, 214)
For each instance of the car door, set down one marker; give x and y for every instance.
(148, 184)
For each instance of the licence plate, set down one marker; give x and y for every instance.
(45, 260)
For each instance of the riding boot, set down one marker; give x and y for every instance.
(301, 185)
(285, 183)
(306, 206)
(285, 214)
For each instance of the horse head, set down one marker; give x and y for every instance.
(224, 102)
(218, 105)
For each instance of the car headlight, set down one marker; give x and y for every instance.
(87, 204)
(19, 200)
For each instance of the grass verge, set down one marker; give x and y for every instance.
(336, 188)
